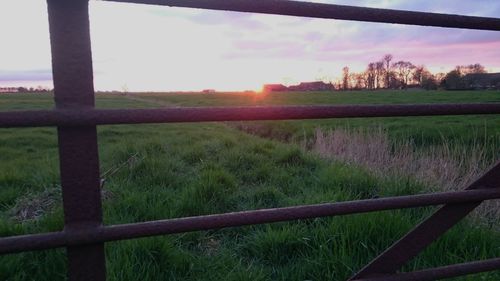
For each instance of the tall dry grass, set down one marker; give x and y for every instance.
(441, 167)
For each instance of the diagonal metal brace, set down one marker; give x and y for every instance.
(428, 231)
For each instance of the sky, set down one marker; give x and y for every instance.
(153, 48)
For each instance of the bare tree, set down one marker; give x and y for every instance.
(401, 74)
(360, 81)
(394, 82)
(345, 78)
(370, 74)
(477, 68)
(379, 73)
(470, 69)
(387, 61)
(439, 77)
(459, 78)
(404, 70)
(418, 74)
(424, 78)
(429, 81)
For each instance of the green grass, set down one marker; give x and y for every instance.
(300, 98)
(194, 169)
(470, 131)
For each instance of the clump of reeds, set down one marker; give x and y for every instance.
(443, 167)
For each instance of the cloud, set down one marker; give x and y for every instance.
(26, 75)
(238, 20)
(208, 17)
(484, 8)
(320, 40)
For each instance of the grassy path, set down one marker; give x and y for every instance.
(148, 100)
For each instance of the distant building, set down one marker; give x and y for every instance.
(274, 88)
(482, 81)
(9, 90)
(312, 86)
(208, 91)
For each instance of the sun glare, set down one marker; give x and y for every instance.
(258, 91)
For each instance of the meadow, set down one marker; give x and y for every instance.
(175, 170)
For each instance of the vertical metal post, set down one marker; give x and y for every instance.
(78, 152)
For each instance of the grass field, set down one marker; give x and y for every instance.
(177, 170)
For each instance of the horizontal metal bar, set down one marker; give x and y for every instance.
(331, 11)
(441, 272)
(85, 117)
(428, 231)
(170, 226)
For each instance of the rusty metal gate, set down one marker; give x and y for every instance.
(76, 119)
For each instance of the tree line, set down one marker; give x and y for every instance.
(388, 73)
(38, 89)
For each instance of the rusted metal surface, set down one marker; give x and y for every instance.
(84, 117)
(441, 272)
(429, 230)
(76, 118)
(179, 225)
(78, 153)
(331, 11)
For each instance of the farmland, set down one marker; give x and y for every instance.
(175, 170)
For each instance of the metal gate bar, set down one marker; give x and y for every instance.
(80, 117)
(84, 235)
(441, 272)
(331, 11)
(187, 224)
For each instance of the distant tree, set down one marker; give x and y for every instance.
(401, 74)
(453, 80)
(387, 62)
(41, 89)
(470, 69)
(370, 75)
(428, 81)
(360, 80)
(418, 74)
(440, 78)
(124, 88)
(477, 68)
(394, 82)
(22, 89)
(403, 71)
(345, 78)
(379, 74)
(352, 80)
(337, 85)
